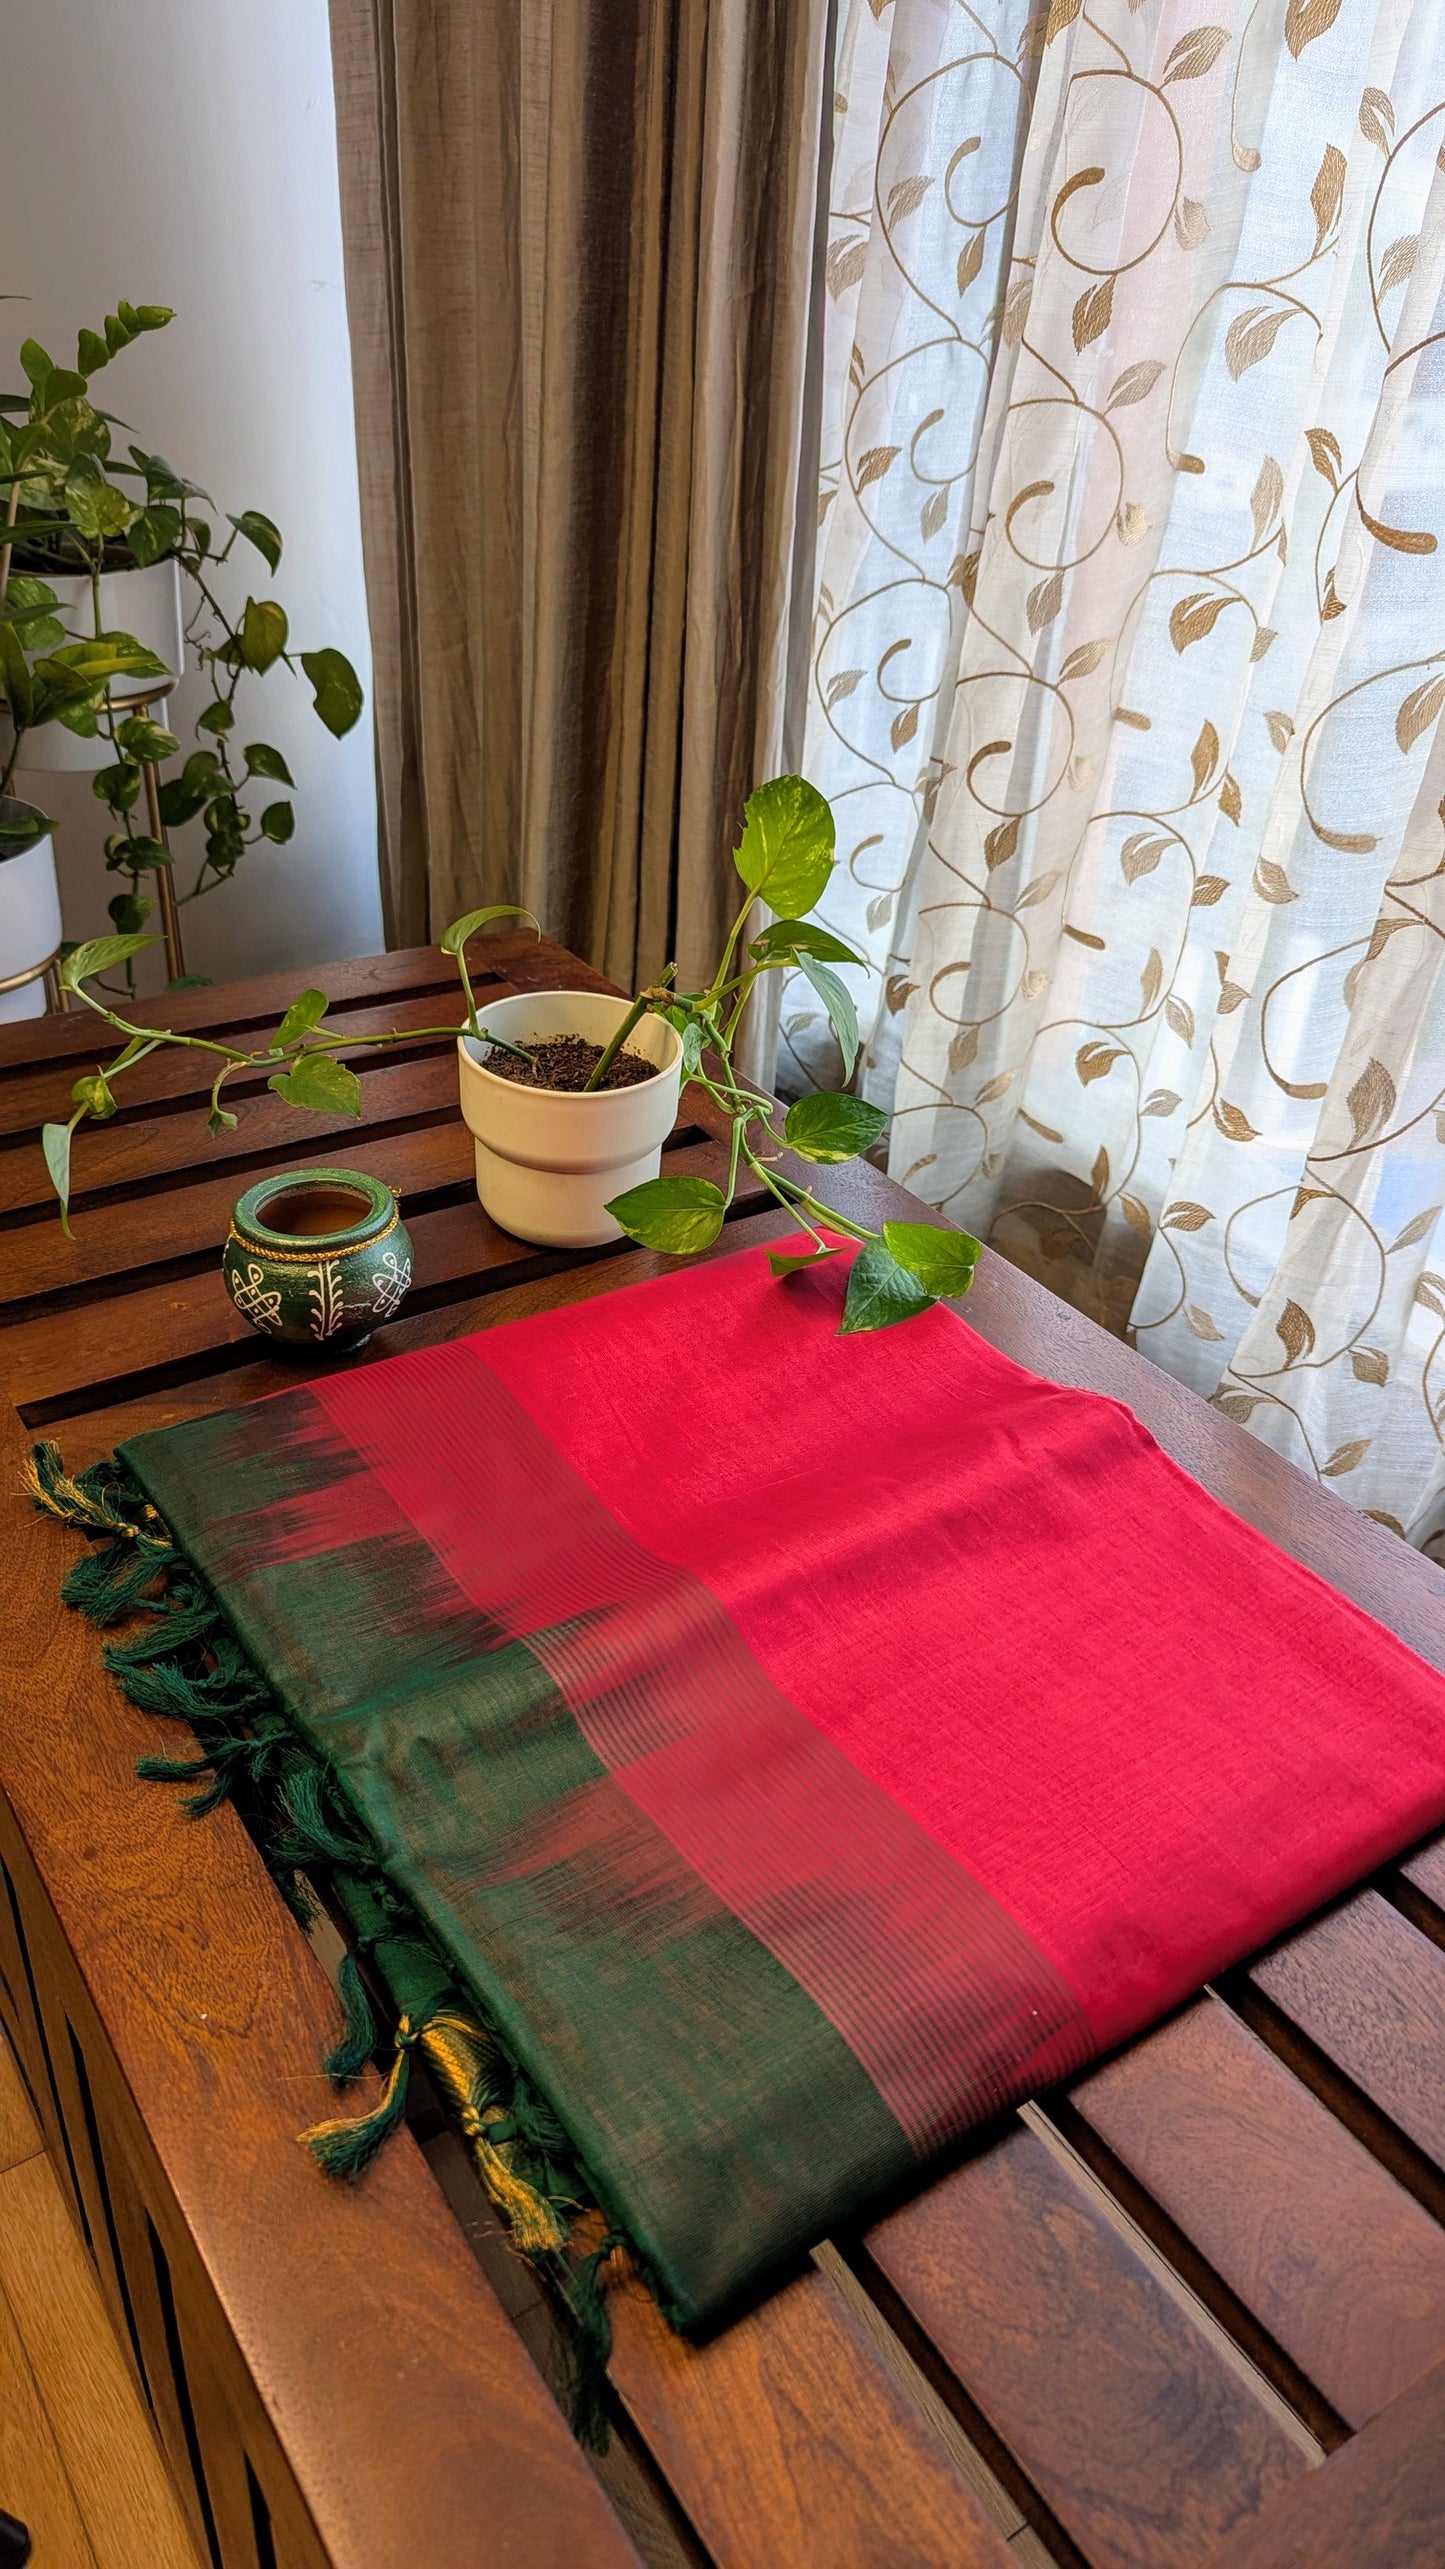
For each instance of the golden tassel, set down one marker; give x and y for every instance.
(455, 2053)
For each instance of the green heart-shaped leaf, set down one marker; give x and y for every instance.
(100, 954)
(305, 1011)
(943, 1261)
(55, 1143)
(678, 1215)
(785, 854)
(790, 937)
(833, 1128)
(455, 937)
(336, 687)
(263, 633)
(791, 1262)
(837, 998)
(881, 1292)
(258, 530)
(318, 1081)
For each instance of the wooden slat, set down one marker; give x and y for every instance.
(1333, 2257)
(1426, 1870)
(1148, 2442)
(217, 2038)
(125, 1335)
(1378, 2504)
(786, 2440)
(1369, 1989)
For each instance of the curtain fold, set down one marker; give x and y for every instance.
(580, 262)
(1128, 677)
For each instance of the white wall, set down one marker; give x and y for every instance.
(184, 152)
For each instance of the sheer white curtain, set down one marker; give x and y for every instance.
(1128, 677)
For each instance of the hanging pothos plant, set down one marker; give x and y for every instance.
(74, 506)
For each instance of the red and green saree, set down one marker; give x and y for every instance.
(794, 1747)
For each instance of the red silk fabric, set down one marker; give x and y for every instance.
(1153, 1738)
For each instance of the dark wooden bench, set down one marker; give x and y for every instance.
(1191, 2310)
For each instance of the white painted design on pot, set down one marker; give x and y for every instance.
(548, 1163)
(254, 1302)
(328, 1303)
(389, 1285)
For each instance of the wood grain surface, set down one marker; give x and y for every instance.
(1192, 2312)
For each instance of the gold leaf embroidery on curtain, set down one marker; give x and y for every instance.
(1128, 680)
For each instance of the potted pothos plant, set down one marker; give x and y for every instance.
(109, 570)
(570, 1095)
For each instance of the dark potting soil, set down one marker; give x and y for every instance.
(567, 1062)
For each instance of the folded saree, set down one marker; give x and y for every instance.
(795, 1746)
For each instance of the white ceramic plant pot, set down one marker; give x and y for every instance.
(145, 604)
(29, 921)
(547, 1163)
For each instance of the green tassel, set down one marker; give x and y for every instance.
(591, 2346)
(183, 1622)
(346, 2149)
(171, 1770)
(349, 2057)
(312, 1839)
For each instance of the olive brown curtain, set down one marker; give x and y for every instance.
(581, 245)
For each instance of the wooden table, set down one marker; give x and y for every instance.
(1191, 2310)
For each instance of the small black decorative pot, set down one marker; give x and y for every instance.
(318, 1257)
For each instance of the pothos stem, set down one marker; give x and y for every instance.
(633, 1018)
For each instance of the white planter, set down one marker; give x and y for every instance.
(29, 923)
(145, 604)
(548, 1164)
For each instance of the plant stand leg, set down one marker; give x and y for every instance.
(165, 887)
